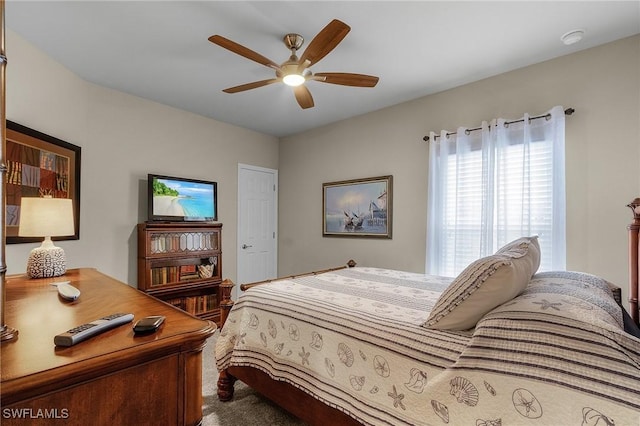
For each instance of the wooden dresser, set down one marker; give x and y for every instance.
(114, 378)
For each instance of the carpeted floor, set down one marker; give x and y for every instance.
(247, 408)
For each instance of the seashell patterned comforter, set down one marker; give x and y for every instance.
(354, 339)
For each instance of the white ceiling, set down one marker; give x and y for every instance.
(159, 50)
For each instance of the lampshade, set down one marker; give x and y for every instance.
(46, 217)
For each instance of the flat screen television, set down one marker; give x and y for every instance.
(178, 199)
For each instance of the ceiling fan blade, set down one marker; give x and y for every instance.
(242, 51)
(250, 86)
(346, 79)
(303, 96)
(325, 41)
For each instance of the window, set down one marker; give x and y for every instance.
(490, 186)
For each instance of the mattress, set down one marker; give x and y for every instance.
(355, 339)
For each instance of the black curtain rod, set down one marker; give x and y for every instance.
(567, 111)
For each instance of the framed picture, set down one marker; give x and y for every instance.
(357, 208)
(38, 165)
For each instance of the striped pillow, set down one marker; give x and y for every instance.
(485, 284)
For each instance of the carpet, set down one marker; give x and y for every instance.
(247, 408)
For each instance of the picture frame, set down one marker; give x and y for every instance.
(38, 164)
(358, 208)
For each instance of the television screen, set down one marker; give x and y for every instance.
(176, 199)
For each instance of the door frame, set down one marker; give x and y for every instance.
(274, 172)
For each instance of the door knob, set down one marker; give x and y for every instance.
(244, 246)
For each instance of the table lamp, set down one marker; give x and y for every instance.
(46, 217)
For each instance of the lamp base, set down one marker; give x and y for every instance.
(46, 262)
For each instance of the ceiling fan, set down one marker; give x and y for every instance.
(295, 71)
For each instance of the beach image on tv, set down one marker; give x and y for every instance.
(182, 199)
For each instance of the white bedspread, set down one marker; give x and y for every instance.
(354, 339)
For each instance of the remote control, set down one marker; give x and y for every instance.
(67, 291)
(84, 331)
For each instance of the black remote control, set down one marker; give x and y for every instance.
(90, 329)
(148, 324)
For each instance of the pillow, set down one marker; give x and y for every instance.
(485, 284)
(521, 245)
(576, 296)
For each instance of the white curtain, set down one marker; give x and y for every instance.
(495, 184)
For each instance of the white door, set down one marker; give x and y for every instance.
(257, 224)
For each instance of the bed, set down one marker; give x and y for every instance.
(365, 345)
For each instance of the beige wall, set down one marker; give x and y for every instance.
(123, 138)
(603, 158)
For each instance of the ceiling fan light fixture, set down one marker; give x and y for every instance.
(296, 71)
(293, 80)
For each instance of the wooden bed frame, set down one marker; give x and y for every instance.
(634, 260)
(314, 412)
